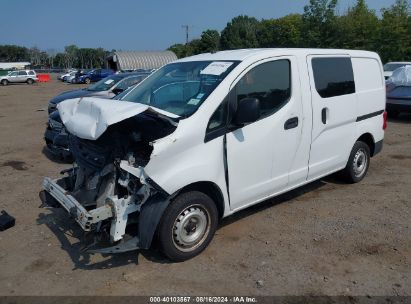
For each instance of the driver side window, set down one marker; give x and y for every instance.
(270, 83)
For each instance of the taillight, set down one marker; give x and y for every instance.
(384, 125)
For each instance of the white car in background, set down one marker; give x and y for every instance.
(68, 74)
(390, 67)
(24, 76)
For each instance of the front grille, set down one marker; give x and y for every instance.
(88, 154)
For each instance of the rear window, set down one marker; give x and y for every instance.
(31, 72)
(22, 73)
(333, 76)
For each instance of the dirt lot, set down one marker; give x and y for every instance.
(326, 238)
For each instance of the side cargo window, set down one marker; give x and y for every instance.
(333, 76)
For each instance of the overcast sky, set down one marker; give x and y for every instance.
(132, 24)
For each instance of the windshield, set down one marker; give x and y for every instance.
(389, 67)
(105, 84)
(180, 88)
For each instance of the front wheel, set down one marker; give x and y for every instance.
(87, 80)
(187, 226)
(4, 82)
(358, 163)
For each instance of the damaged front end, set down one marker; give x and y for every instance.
(107, 190)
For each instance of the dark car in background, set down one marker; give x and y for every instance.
(105, 88)
(56, 136)
(399, 92)
(94, 76)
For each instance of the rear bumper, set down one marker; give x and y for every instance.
(378, 147)
(402, 105)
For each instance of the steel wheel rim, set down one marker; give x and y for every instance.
(191, 228)
(360, 162)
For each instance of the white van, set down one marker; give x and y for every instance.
(206, 136)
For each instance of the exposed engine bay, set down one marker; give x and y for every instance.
(107, 186)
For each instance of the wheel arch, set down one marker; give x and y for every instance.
(209, 188)
(369, 140)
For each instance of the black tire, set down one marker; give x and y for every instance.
(393, 113)
(4, 82)
(87, 80)
(358, 163)
(30, 81)
(187, 212)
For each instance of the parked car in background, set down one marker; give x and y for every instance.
(56, 136)
(22, 76)
(94, 76)
(63, 77)
(398, 89)
(105, 88)
(236, 128)
(73, 78)
(390, 67)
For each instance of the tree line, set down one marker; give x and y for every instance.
(72, 57)
(320, 26)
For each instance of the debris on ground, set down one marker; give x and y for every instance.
(6, 221)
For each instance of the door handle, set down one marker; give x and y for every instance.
(291, 123)
(324, 115)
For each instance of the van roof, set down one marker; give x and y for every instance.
(243, 54)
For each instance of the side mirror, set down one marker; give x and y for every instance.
(117, 90)
(248, 110)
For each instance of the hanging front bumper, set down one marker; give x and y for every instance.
(83, 217)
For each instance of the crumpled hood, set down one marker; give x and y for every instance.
(89, 117)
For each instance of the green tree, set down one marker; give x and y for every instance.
(71, 52)
(320, 24)
(282, 32)
(181, 50)
(14, 53)
(210, 41)
(359, 28)
(395, 32)
(241, 32)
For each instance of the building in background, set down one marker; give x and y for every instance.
(14, 65)
(131, 61)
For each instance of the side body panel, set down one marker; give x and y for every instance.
(332, 137)
(370, 84)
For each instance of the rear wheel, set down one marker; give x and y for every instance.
(30, 81)
(87, 80)
(187, 226)
(358, 163)
(4, 82)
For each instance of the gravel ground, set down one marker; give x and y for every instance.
(327, 238)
